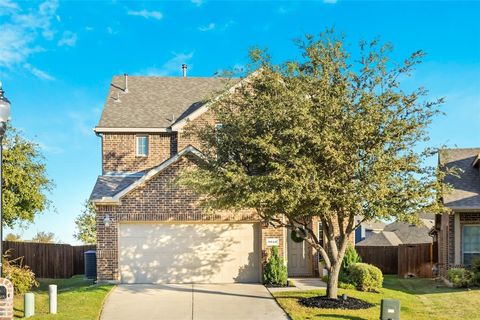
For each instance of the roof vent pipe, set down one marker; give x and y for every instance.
(126, 82)
(184, 69)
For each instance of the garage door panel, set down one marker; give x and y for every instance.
(185, 253)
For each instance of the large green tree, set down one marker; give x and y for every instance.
(24, 178)
(86, 224)
(329, 135)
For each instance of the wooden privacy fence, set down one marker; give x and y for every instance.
(406, 260)
(49, 260)
(384, 257)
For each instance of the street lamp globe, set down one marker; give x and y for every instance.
(4, 108)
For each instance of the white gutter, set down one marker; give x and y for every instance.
(132, 130)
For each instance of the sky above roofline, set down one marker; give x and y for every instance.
(57, 60)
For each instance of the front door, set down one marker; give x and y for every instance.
(298, 262)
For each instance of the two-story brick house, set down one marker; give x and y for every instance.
(150, 229)
(458, 232)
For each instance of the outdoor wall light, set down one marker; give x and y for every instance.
(107, 221)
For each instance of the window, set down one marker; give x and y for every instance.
(470, 243)
(142, 146)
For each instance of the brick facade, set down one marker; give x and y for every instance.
(159, 200)
(447, 238)
(119, 153)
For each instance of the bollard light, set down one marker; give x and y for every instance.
(28, 305)
(52, 298)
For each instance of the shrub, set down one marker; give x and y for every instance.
(22, 276)
(365, 277)
(461, 277)
(275, 272)
(476, 271)
(351, 257)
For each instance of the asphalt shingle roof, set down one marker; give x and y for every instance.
(383, 238)
(152, 102)
(108, 186)
(465, 191)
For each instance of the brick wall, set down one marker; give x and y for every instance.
(447, 238)
(160, 199)
(186, 139)
(119, 151)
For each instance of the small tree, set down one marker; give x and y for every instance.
(25, 181)
(13, 237)
(327, 136)
(86, 224)
(275, 272)
(44, 237)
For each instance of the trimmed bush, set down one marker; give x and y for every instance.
(476, 271)
(461, 277)
(22, 277)
(275, 272)
(366, 277)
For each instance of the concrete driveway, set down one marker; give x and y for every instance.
(187, 301)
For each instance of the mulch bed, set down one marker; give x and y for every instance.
(328, 303)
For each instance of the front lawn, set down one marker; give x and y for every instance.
(419, 298)
(77, 299)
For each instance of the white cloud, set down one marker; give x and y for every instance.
(172, 67)
(330, 1)
(146, 14)
(21, 29)
(208, 27)
(7, 6)
(88, 28)
(111, 31)
(37, 72)
(198, 3)
(68, 39)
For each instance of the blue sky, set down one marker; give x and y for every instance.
(57, 59)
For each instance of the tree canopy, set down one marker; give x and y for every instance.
(86, 224)
(24, 177)
(330, 135)
(44, 237)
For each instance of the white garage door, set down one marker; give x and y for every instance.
(189, 253)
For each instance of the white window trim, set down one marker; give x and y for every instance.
(462, 243)
(136, 145)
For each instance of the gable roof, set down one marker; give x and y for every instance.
(110, 189)
(155, 102)
(383, 238)
(465, 193)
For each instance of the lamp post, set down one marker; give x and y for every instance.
(4, 117)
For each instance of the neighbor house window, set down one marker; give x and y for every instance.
(142, 146)
(470, 243)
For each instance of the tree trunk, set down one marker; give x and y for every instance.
(332, 284)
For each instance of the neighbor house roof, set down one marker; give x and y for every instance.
(465, 192)
(411, 234)
(109, 189)
(155, 102)
(383, 238)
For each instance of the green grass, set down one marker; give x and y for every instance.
(419, 298)
(77, 299)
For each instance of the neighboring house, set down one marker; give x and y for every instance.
(151, 230)
(397, 233)
(367, 228)
(458, 233)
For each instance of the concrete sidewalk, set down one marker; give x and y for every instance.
(187, 301)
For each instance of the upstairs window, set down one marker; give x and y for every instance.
(142, 146)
